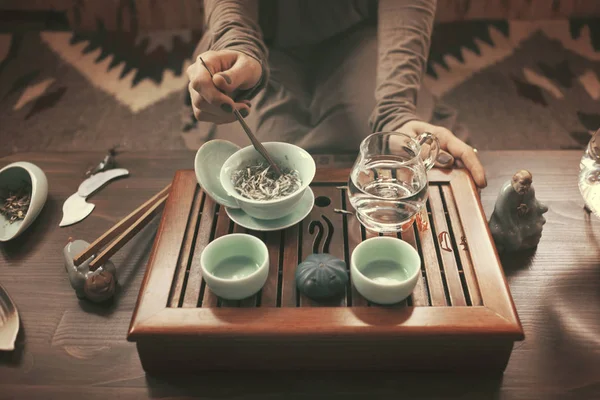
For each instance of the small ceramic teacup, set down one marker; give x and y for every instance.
(217, 160)
(235, 266)
(384, 269)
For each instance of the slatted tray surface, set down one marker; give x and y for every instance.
(462, 290)
(447, 276)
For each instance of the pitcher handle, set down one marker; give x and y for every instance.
(434, 148)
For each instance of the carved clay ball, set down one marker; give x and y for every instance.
(321, 276)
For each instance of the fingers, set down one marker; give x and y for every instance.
(208, 111)
(242, 75)
(206, 98)
(207, 114)
(204, 112)
(214, 79)
(452, 150)
(202, 83)
(465, 153)
(201, 103)
(444, 160)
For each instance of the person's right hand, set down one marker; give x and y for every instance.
(212, 99)
(452, 149)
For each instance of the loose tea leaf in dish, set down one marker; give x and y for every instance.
(258, 182)
(15, 203)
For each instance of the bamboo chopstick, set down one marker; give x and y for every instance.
(127, 235)
(123, 225)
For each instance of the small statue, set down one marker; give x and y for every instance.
(96, 286)
(517, 220)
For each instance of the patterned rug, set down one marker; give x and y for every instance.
(515, 84)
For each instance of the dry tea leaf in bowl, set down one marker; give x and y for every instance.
(15, 203)
(258, 182)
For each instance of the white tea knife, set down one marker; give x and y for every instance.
(75, 208)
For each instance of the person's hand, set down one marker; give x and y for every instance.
(451, 149)
(212, 99)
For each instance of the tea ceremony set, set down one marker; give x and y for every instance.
(257, 247)
(130, 270)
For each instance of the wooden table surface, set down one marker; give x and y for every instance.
(68, 348)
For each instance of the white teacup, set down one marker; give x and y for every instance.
(385, 269)
(217, 160)
(235, 266)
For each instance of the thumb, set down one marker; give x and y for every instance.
(239, 77)
(444, 160)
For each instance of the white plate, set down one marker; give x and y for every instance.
(300, 212)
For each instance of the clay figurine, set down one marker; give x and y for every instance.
(96, 286)
(517, 220)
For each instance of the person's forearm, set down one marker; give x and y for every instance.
(404, 32)
(233, 25)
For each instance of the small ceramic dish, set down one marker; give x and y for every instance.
(14, 176)
(9, 321)
(384, 269)
(302, 209)
(217, 160)
(235, 266)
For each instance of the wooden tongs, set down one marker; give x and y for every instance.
(124, 230)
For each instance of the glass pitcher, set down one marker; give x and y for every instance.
(388, 183)
(589, 174)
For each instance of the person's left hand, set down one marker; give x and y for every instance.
(451, 149)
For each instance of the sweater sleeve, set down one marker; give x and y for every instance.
(233, 25)
(404, 32)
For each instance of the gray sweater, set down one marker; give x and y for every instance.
(404, 28)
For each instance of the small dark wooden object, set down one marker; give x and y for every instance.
(460, 317)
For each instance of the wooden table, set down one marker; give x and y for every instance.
(72, 348)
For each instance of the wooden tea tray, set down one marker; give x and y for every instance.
(460, 317)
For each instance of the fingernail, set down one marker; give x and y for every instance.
(226, 107)
(244, 112)
(227, 78)
(444, 158)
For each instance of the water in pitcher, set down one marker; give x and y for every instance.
(387, 194)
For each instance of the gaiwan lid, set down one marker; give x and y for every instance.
(208, 163)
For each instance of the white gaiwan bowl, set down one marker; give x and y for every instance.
(217, 160)
(12, 177)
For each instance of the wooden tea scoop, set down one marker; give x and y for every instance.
(255, 142)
